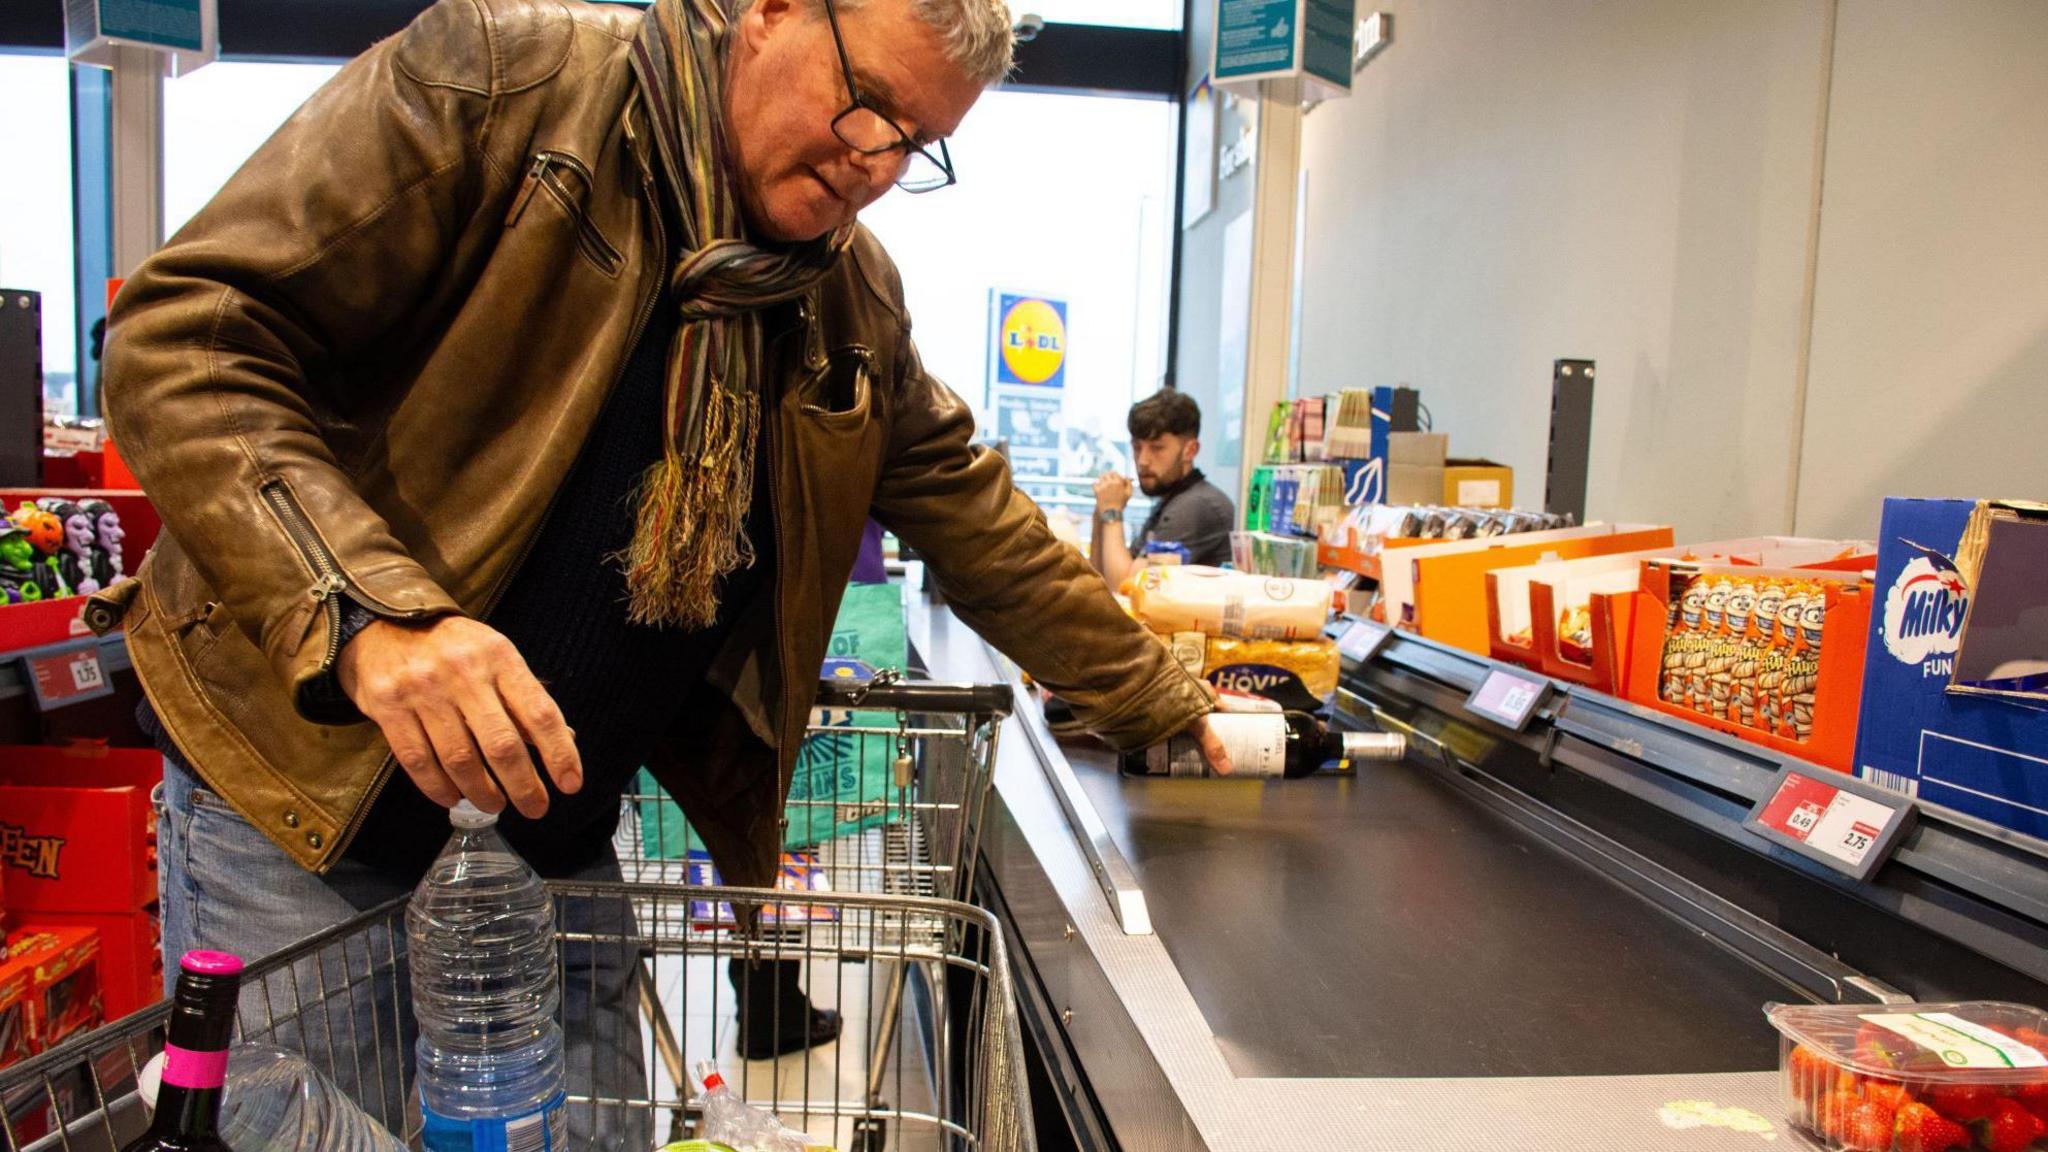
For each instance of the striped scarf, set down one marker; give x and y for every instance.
(690, 530)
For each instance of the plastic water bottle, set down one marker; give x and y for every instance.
(485, 992)
(731, 1122)
(276, 1102)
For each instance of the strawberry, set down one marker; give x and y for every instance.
(1921, 1129)
(1888, 1092)
(2010, 1128)
(1962, 1103)
(1877, 1047)
(1811, 1072)
(1869, 1127)
(2032, 1038)
(2033, 1097)
(1832, 1112)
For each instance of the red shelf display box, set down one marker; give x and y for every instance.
(1822, 688)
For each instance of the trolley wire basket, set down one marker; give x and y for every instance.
(659, 971)
(941, 1070)
(890, 790)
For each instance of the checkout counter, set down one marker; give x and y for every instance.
(1562, 937)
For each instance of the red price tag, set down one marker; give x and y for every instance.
(1837, 823)
(66, 677)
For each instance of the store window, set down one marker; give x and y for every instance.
(1124, 13)
(35, 209)
(1063, 197)
(215, 118)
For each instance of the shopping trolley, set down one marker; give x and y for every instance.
(890, 791)
(929, 1056)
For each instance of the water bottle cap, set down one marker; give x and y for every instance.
(467, 815)
(207, 963)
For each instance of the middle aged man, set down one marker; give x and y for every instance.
(523, 401)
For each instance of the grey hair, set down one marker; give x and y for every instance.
(978, 34)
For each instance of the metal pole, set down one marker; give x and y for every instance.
(138, 148)
(1275, 202)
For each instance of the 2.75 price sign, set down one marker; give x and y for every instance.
(1845, 823)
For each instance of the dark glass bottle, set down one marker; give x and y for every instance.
(195, 1056)
(1291, 744)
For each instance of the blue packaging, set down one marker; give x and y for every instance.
(1984, 757)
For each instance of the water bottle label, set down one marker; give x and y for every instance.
(543, 1130)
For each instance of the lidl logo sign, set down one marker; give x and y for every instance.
(1032, 341)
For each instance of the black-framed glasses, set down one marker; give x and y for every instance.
(870, 132)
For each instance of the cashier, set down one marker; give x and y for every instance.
(1190, 517)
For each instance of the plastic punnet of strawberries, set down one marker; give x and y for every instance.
(1916, 1077)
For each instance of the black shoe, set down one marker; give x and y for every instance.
(775, 1017)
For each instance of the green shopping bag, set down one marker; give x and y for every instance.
(844, 780)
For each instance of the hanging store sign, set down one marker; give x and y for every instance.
(185, 32)
(1310, 40)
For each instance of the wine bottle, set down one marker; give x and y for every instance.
(1291, 744)
(195, 1056)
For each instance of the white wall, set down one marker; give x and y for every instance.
(1634, 183)
(1930, 328)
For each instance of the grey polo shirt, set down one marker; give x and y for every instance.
(1194, 514)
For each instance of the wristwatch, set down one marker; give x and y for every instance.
(1109, 515)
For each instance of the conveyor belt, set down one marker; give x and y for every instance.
(1386, 925)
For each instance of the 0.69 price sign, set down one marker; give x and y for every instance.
(1841, 821)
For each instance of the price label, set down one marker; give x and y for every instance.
(1838, 820)
(66, 674)
(1363, 640)
(1507, 699)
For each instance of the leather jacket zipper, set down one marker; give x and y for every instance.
(328, 582)
(385, 772)
(546, 172)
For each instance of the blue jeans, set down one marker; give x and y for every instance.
(347, 1006)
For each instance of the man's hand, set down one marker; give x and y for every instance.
(1112, 490)
(1211, 744)
(458, 705)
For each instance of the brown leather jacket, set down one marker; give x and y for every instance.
(366, 367)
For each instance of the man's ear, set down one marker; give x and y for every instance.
(763, 20)
(1189, 450)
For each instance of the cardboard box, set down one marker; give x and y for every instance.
(1415, 467)
(1438, 588)
(1524, 605)
(1837, 690)
(49, 989)
(77, 832)
(1983, 756)
(1478, 484)
(131, 956)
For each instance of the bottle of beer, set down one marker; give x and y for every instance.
(195, 1057)
(1291, 744)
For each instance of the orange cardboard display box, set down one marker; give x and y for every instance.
(1449, 589)
(77, 832)
(1701, 651)
(1525, 606)
(49, 989)
(131, 956)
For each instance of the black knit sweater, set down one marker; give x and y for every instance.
(618, 683)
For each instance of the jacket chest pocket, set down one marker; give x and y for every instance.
(835, 435)
(839, 392)
(563, 181)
